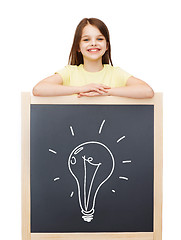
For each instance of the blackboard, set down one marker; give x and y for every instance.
(120, 137)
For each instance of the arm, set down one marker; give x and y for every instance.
(135, 88)
(52, 86)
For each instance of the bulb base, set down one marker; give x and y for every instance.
(88, 215)
(87, 218)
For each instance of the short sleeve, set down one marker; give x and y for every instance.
(121, 77)
(65, 74)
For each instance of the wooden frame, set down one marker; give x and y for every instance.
(27, 100)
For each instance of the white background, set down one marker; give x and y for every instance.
(36, 38)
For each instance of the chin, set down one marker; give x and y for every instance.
(94, 58)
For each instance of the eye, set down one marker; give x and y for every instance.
(100, 39)
(86, 39)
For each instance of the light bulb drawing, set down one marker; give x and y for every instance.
(91, 164)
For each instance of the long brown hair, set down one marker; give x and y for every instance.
(75, 57)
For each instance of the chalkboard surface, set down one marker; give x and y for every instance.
(92, 168)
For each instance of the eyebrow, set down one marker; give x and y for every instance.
(100, 35)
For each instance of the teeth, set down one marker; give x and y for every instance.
(93, 50)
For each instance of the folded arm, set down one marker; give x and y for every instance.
(53, 86)
(135, 88)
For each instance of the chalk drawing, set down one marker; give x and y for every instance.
(120, 139)
(50, 150)
(100, 129)
(126, 161)
(87, 207)
(55, 179)
(124, 178)
(72, 131)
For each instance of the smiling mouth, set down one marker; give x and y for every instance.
(93, 50)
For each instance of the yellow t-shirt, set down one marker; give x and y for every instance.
(74, 75)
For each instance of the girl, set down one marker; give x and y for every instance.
(90, 71)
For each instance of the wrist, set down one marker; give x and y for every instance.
(77, 89)
(109, 92)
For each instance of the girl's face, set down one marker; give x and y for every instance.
(93, 44)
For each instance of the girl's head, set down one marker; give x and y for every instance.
(83, 40)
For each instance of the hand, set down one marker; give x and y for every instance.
(92, 94)
(93, 87)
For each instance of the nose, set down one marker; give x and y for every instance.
(93, 42)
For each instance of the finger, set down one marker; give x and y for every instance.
(100, 91)
(95, 94)
(105, 86)
(82, 94)
(103, 90)
(91, 94)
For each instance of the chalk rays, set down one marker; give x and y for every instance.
(72, 131)
(120, 139)
(100, 129)
(52, 151)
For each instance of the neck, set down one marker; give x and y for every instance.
(93, 66)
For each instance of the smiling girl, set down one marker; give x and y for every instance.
(90, 71)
